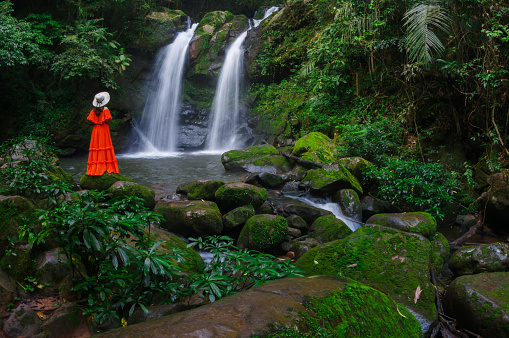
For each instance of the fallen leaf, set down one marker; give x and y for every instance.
(402, 315)
(418, 292)
(352, 265)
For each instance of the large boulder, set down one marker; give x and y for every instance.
(263, 232)
(495, 201)
(329, 306)
(15, 211)
(234, 195)
(328, 228)
(439, 251)
(238, 216)
(480, 303)
(330, 181)
(52, 268)
(66, 321)
(315, 147)
(256, 159)
(101, 183)
(127, 189)
(355, 165)
(350, 204)
(23, 322)
(190, 218)
(390, 260)
(200, 189)
(420, 223)
(480, 258)
(309, 213)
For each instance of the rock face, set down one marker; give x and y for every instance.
(439, 251)
(417, 222)
(256, 159)
(347, 307)
(263, 232)
(480, 258)
(393, 261)
(480, 303)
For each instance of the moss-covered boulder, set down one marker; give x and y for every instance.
(495, 201)
(101, 183)
(257, 159)
(297, 222)
(355, 165)
(272, 181)
(127, 189)
(263, 232)
(289, 206)
(302, 245)
(200, 189)
(330, 181)
(292, 307)
(238, 216)
(349, 203)
(58, 174)
(160, 28)
(15, 211)
(328, 228)
(480, 303)
(390, 260)
(439, 251)
(234, 195)
(480, 258)
(316, 147)
(417, 222)
(190, 218)
(18, 262)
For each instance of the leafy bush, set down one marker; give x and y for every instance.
(411, 183)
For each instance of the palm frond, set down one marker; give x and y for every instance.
(423, 20)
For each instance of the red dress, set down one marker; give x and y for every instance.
(101, 156)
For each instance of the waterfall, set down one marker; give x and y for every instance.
(159, 123)
(225, 113)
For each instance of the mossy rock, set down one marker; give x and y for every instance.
(355, 165)
(257, 159)
(390, 260)
(212, 21)
(316, 147)
(328, 228)
(58, 174)
(19, 263)
(350, 204)
(417, 222)
(439, 251)
(190, 218)
(474, 259)
(234, 195)
(238, 216)
(330, 181)
(15, 211)
(200, 189)
(122, 189)
(272, 181)
(101, 183)
(263, 232)
(480, 303)
(191, 263)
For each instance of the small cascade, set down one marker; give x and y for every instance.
(225, 113)
(159, 123)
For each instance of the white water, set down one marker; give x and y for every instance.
(225, 113)
(159, 123)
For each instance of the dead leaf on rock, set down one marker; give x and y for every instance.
(418, 292)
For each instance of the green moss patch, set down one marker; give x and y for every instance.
(262, 232)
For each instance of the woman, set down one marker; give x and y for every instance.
(101, 156)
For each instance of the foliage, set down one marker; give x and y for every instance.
(408, 182)
(232, 270)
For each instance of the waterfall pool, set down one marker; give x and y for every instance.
(163, 172)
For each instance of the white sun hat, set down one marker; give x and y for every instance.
(101, 99)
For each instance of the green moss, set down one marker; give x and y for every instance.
(231, 196)
(262, 232)
(332, 180)
(201, 189)
(134, 189)
(101, 183)
(249, 153)
(329, 228)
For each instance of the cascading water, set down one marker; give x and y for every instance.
(159, 123)
(225, 112)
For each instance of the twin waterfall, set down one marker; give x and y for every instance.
(159, 129)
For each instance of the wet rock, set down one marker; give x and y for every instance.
(466, 221)
(23, 322)
(309, 213)
(52, 268)
(290, 187)
(480, 303)
(417, 222)
(190, 218)
(330, 181)
(297, 222)
(372, 206)
(328, 228)
(390, 260)
(127, 189)
(349, 203)
(302, 245)
(200, 189)
(439, 251)
(294, 233)
(272, 181)
(315, 147)
(256, 159)
(66, 321)
(238, 216)
(480, 258)
(101, 183)
(263, 232)
(297, 174)
(286, 303)
(355, 165)
(233, 195)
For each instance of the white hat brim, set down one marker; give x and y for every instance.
(104, 102)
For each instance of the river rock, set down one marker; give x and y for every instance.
(330, 181)
(271, 181)
(190, 218)
(23, 322)
(15, 211)
(18, 262)
(66, 321)
(315, 147)
(390, 260)
(495, 201)
(127, 189)
(101, 183)
(200, 189)
(480, 258)
(52, 268)
(328, 228)
(193, 127)
(297, 222)
(309, 213)
(263, 232)
(372, 206)
(297, 173)
(480, 303)
(233, 195)
(338, 304)
(349, 203)
(417, 222)
(302, 245)
(439, 251)
(256, 159)
(238, 216)
(355, 165)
